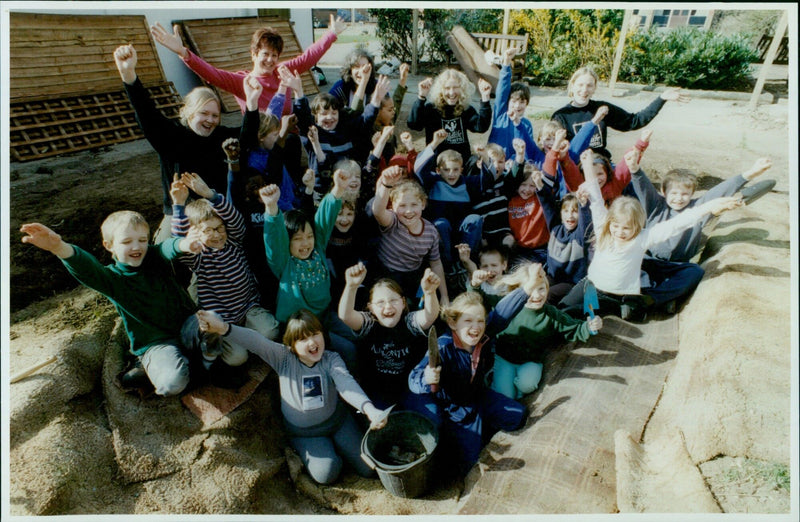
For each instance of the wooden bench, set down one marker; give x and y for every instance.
(498, 43)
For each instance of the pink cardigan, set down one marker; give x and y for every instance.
(232, 81)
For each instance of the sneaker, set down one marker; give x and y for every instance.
(752, 192)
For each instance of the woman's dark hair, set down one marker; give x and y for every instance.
(266, 37)
(295, 221)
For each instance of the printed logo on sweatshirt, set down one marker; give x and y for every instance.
(597, 139)
(312, 392)
(455, 131)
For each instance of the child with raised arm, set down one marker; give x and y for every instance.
(468, 412)
(312, 380)
(225, 283)
(295, 246)
(449, 109)
(334, 131)
(621, 243)
(390, 340)
(407, 239)
(452, 197)
(521, 347)
(569, 222)
(486, 278)
(668, 263)
(156, 311)
(582, 108)
(493, 209)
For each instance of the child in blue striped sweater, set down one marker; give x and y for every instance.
(225, 283)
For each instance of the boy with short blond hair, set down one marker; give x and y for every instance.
(155, 310)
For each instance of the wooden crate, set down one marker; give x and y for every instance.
(65, 93)
(225, 44)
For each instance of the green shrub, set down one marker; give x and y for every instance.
(689, 58)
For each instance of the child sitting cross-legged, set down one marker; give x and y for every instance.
(295, 244)
(225, 283)
(520, 348)
(312, 379)
(390, 340)
(466, 410)
(155, 309)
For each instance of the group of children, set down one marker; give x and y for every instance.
(353, 260)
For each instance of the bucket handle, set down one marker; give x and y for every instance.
(368, 461)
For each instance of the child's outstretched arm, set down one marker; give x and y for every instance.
(42, 237)
(508, 307)
(423, 166)
(503, 84)
(383, 138)
(400, 91)
(438, 269)
(357, 103)
(179, 193)
(687, 218)
(482, 120)
(354, 276)
(417, 115)
(430, 311)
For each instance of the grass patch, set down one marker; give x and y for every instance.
(541, 115)
(766, 472)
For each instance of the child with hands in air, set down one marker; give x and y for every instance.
(225, 283)
(312, 380)
(156, 310)
(389, 338)
(486, 279)
(295, 245)
(407, 239)
(621, 243)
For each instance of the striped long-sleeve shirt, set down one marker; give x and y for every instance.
(225, 282)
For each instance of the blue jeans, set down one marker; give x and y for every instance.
(670, 279)
(515, 380)
(470, 231)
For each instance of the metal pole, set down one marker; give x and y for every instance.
(414, 35)
(773, 50)
(623, 32)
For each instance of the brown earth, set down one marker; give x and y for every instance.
(68, 426)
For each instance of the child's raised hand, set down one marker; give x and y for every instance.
(211, 322)
(270, 195)
(519, 148)
(759, 167)
(313, 135)
(508, 55)
(719, 205)
(632, 160)
(537, 178)
(601, 113)
(582, 194)
(430, 282)
(232, 148)
(404, 68)
(292, 80)
(407, 140)
(485, 89)
(386, 133)
(381, 89)
(40, 236)
(464, 251)
(675, 94)
(595, 324)
(509, 241)
(438, 138)
(365, 70)
(196, 183)
(340, 182)
(479, 277)
(431, 375)
(355, 275)
(178, 191)
(126, 60)
(391, 176)
(288, 123)
(309, 179)
(424, 87)
(559, 136)
(252, 91)
(587, 157)
(192, 243)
